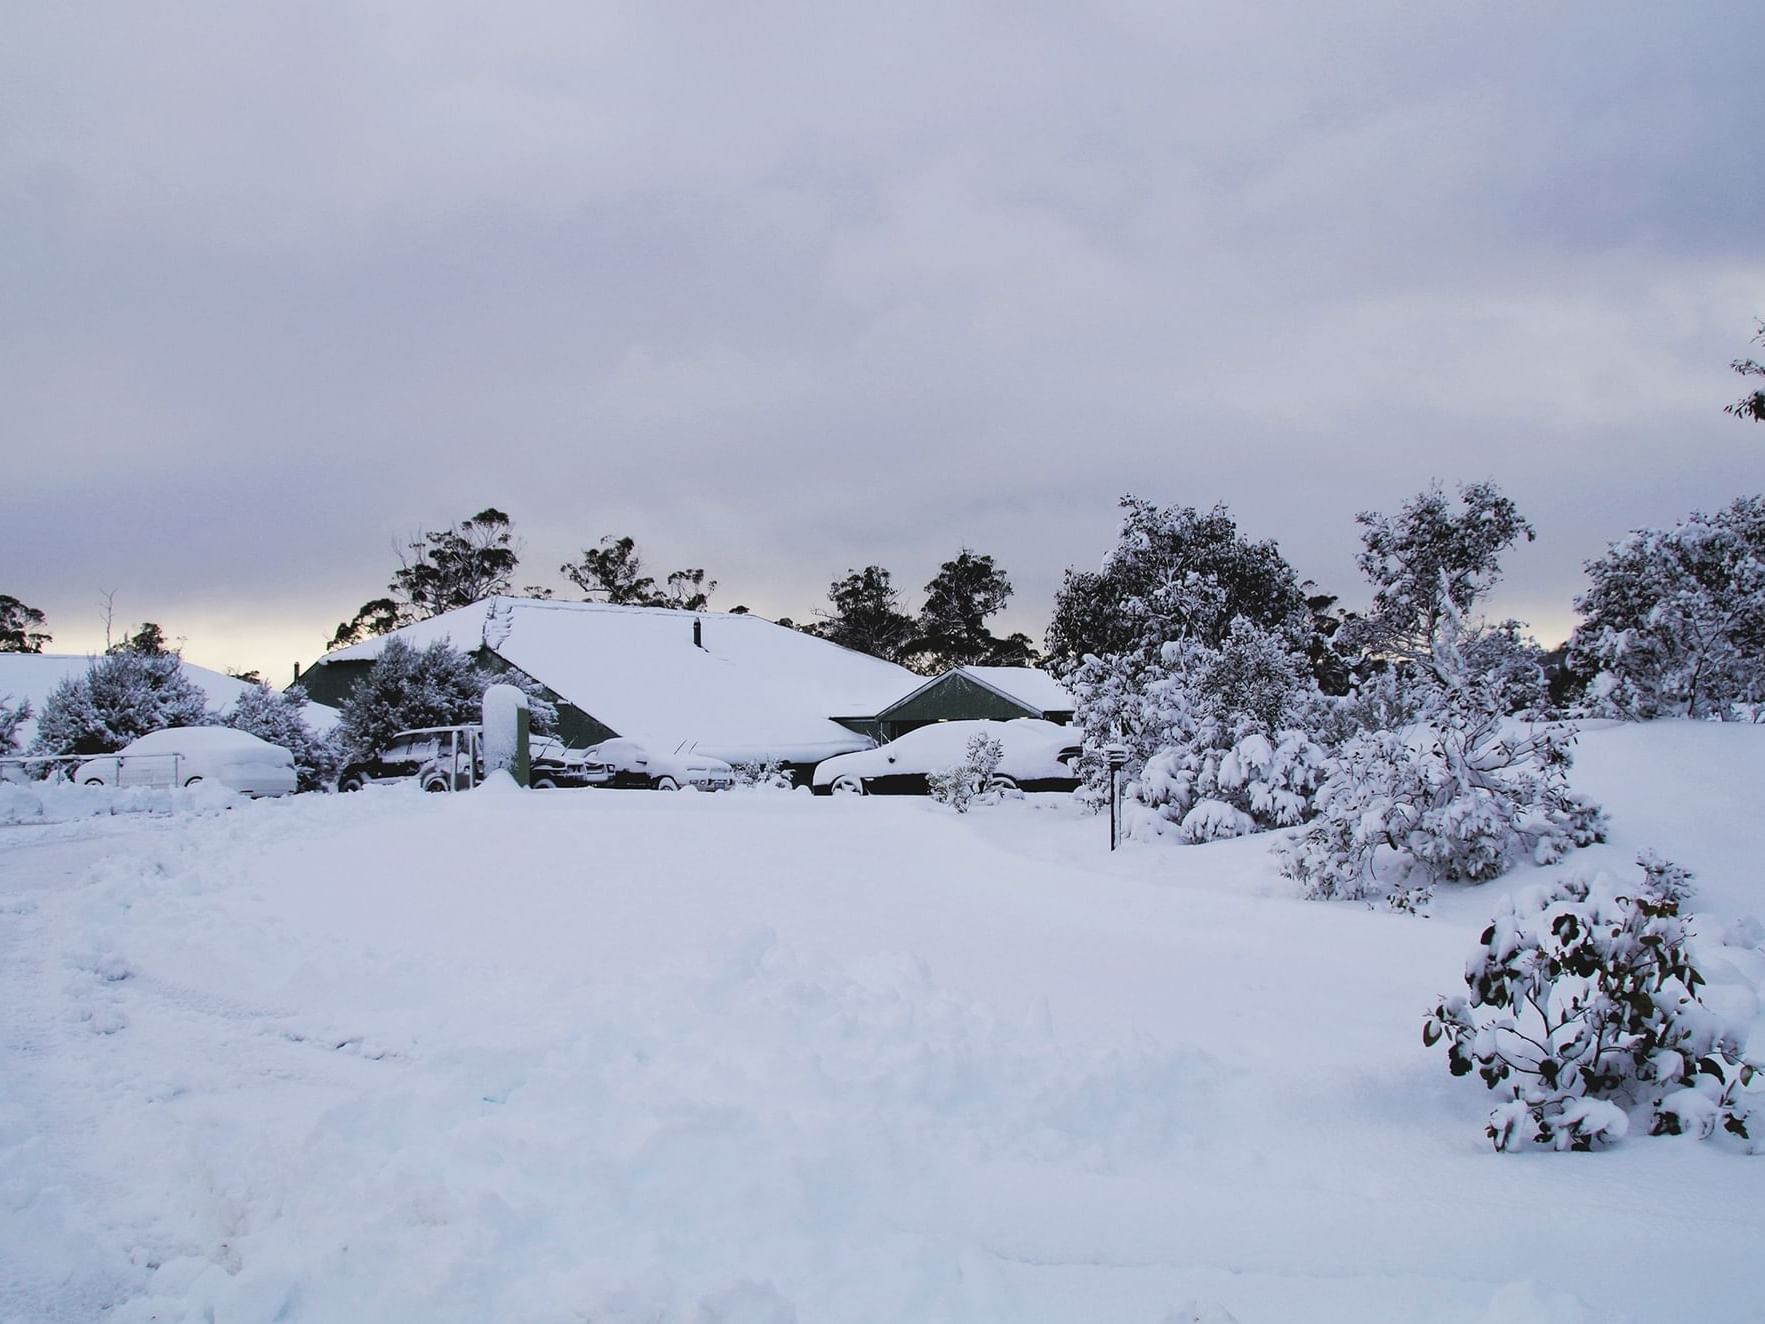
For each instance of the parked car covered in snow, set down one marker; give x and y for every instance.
(1038, 756)
(187, 755)
(551, 763)
(633, 764)
(440, 757)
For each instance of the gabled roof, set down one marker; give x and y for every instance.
(753, 687)
(1030, 685)
(34, 676)
(1032, 690)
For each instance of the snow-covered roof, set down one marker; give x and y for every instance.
(1028, 685)
(753, 687)
(33, 676)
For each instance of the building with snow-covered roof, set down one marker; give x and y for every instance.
(971, 693)
(32, 677)
(732, 685)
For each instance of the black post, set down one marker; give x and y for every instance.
(1112, 799)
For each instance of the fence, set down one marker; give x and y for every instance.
(149, 770)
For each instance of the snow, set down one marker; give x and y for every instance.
(760, 1059)
(34, 676)
(753, 689)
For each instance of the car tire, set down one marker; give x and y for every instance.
(191, 781)
(849, 785)
(353, 782)
(667, 784)
(435, 785)
(544, 784)
(94, 781)
(1001, 783)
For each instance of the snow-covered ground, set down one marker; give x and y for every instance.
(761, 1057)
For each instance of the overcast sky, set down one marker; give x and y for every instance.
(783, 289)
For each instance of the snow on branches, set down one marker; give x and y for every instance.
(1584, 1015)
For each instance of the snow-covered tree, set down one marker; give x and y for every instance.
(281, 720)
(1173, 573)
(1674, 623)
(1584, 1014)
(1461, 791)
(21, 627)
(409, 688)
(1429, 559)
(12, 715)
(122, 695)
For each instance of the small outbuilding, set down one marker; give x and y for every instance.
(968, 694)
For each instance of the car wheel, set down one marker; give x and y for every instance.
(354, 782)
(434, 785)
(544, 784)
(849, 785)
(1000, 782)
(667, 784)
(191, 781)
(94, 781)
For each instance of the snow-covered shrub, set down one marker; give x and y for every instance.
(121, 696)
(1511, 664)
(281, 720)
(1230, 760)
(1675, 620)
(1584, 1012)
(762, 774)
(960, 783)
(1458, 796)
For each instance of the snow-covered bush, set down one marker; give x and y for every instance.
(1461, 795)
(1675, 620)
(121, 696)
(1584, 1013)
(762, 774)
(961, 783)
(1230, 760)
(281, 720)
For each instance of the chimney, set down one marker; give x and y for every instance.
(297, 673)
(698, 633)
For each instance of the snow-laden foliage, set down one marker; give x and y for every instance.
(121, 696)
(762, 774)
(407, 689)
(281, 720)
(1430, 559)
(12, 715)
(1455, 797)
(1675, 621)
(1174, 573)
(1461, 790)
(960, 784)
(1584, 1015)
(1230, 760)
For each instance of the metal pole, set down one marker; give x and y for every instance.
(1112, 798)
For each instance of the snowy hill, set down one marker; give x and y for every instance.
(34, 676)
(761, 1058)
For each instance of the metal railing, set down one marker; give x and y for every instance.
(46, 767)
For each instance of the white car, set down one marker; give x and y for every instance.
(186, 755)
(635, 764)
(1038, 756)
